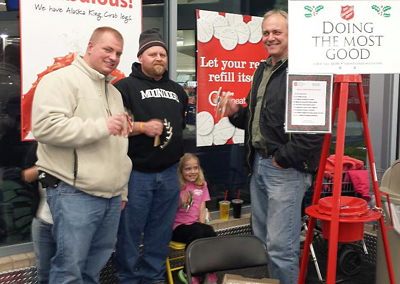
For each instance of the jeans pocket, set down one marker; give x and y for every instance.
(44, 226)
(280, 168)
(49, 195)
(66, 189)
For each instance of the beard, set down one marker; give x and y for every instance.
(154, 71)
(158, 70)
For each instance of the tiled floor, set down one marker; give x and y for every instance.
(366, 275)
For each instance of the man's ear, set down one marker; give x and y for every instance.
(140, 58)
(90, 47)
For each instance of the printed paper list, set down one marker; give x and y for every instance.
(308, 102)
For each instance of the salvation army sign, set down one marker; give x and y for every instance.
(344, 37)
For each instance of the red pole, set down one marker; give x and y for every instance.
(342, 82)
(317, 190)
(325, 148)
(374, 180)
(337, 179)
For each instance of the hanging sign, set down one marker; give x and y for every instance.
(309, 103)
(344, 37)
(54, 31)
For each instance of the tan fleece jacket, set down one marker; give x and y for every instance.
(69, 115)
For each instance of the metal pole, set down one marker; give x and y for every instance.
(317, 189)
(375, 181)
(337, 179)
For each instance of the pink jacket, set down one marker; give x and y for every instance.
(356, 174)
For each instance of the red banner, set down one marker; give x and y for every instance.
(229, 49)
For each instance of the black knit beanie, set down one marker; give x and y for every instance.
(150, 38)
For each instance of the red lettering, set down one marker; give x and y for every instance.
(114, 3)
(123, 4)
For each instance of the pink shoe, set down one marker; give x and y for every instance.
(211, 278)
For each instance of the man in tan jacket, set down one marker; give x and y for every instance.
(82, 157)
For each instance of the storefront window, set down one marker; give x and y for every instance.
(223, 165)
(153, 15)
(15, 194)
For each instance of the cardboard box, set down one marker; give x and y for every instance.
(237, 279)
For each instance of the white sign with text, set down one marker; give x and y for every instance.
(344, 37)
(308, 102)
(53, 32)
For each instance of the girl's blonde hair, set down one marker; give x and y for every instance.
(200, 179)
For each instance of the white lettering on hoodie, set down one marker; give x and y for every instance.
(159, 93)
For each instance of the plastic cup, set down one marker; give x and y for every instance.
(237, 207)
(224, 210)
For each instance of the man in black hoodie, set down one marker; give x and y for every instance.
(158, 105)
(281, 164)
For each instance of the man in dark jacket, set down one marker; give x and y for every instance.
(158, 105)
(280, 163)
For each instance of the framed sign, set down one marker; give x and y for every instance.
(309, 103)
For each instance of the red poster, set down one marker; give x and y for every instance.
(229, 49)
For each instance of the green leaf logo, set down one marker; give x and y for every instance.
(381, 10)
(312, 11)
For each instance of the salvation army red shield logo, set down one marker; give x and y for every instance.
(347, 12)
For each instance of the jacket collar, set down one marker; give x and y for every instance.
(94, 74)
(278, 64)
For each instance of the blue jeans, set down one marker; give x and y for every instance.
(85, 229)
(276, 197)
(44, 247)
(153, 202)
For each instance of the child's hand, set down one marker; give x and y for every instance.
(185, 199)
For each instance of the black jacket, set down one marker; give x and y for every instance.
(147, 98)
(299, 151)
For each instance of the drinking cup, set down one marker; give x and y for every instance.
(237, 207)
(224, 210)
